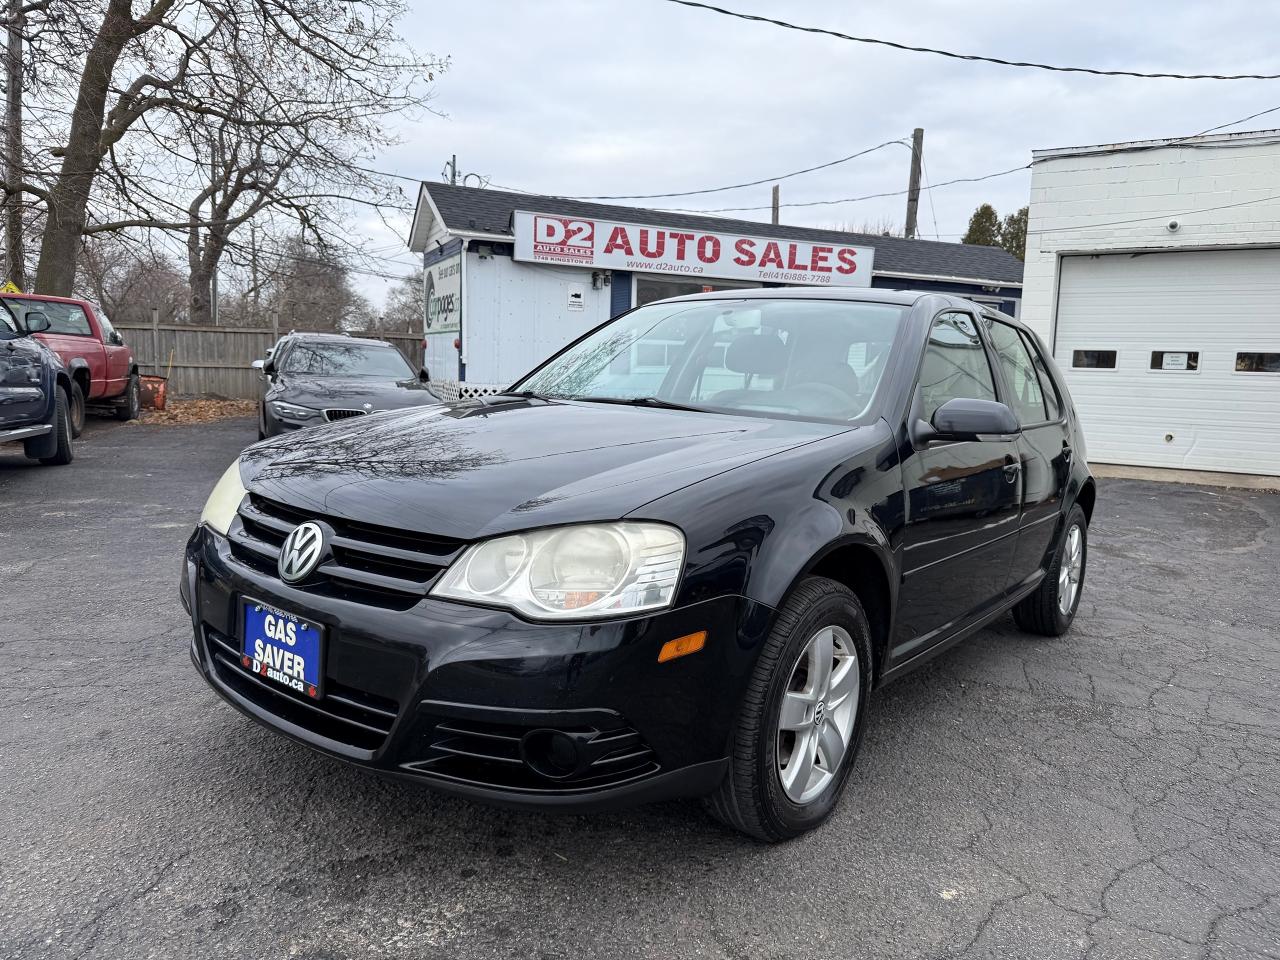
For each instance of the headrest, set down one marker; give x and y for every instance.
(760, 354)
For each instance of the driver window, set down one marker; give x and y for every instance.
(955, 364)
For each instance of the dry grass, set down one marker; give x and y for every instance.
(180, 411)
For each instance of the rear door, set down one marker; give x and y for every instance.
(963, 500)
(1043, 447)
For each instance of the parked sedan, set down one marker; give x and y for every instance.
(314, 378)
(672, 561)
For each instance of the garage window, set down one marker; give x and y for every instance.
(1258, 363)
(1182, 361)
(1093, 359)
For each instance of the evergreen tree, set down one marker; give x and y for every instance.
(984, 227)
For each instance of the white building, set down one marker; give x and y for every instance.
(513, 277)
(1153, 270)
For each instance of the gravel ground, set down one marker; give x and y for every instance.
(1111, 794)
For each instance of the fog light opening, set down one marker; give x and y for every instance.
(551, 754)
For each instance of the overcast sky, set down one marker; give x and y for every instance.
(644, 96)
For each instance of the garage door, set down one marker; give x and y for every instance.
(1173, 359)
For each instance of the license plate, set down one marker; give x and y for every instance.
(282, 648)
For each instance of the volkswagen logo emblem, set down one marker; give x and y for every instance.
(819, 713)
(368, 406)
(301, 552)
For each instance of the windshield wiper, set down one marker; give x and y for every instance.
(655, 402)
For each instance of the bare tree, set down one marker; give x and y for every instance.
(232, 105)
(406, 306)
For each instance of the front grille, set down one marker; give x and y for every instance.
(344, 714)
(339, 414)
(489, 753)
(373, 565)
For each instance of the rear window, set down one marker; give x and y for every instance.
(64, 318)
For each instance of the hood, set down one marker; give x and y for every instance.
(475, 469)
(352, 392)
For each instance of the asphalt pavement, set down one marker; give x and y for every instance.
(1113, 794)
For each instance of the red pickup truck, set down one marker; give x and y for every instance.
(97, 358)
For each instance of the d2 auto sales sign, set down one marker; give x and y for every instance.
(609, 245)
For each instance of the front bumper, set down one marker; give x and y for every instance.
(470, 701)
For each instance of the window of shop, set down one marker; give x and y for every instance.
(650, 288)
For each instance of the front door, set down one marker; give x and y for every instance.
(962, 501)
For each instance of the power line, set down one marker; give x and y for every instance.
(739, 186)
(685, 193)
(973, 56)
(932, 209)
(869, 196)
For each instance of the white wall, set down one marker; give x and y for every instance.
(517, 314)
(1076, 201)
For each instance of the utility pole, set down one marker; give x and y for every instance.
(913, 185)
(777, 202)
(453, 171)
(15, 256)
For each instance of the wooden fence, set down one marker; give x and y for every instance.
(216, 361)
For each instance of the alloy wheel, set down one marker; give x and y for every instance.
(1070, 571)
(817, 715)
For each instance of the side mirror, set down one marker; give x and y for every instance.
(36, 322)
(116, 339)
(258, 365)
(424, 376)
(964, 419)
(268, 367)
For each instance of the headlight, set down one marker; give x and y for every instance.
(220, 509)
(291, 411)
(571, 573)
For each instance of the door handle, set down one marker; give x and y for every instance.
(1011, 471)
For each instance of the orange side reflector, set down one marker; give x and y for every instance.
(682, 646)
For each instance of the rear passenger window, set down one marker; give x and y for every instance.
(955, 364)
(1019, 372)
(1053, 404)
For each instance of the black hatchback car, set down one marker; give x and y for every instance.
(672, 561)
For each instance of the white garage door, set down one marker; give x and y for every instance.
(1173, 359)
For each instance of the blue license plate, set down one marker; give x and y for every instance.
(282, 648)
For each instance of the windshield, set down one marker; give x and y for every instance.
(807, 358)
(337, 359)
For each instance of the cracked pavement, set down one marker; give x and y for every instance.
(1111, 794)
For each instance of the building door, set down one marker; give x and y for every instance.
(1173, 359)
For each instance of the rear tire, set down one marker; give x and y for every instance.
(63, 454)
(77, 409)
(1050, 610)
(131, 407)
(784, 718)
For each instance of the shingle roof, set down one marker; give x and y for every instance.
(490, 211)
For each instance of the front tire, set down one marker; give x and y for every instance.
(131, 407)
(1050, 610)
(63, 454)
(801, 720)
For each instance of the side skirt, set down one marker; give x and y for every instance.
(968, 630)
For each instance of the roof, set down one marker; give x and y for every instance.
(1243, 138)
(904, 298)
(471, 211)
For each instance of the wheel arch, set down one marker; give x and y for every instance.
(78, 370)
(1087, 497)
(866, 568)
